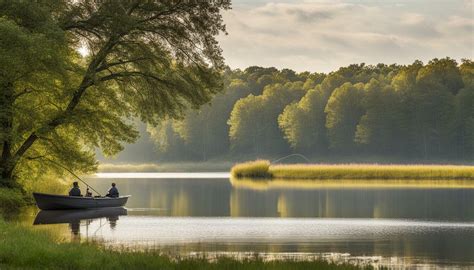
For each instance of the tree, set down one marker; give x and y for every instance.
(204, 133)
(33, 56)
(428, 106)
(303, 123)
(379, 127)
(344, 110)
(465, 122)
(413, 112)
(436, 84)
(147, 59)
(254, 119)
(465, 112)
(168, 144)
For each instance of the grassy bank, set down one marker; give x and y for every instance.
(263, 169)
(21, 248)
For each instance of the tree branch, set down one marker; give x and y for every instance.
(164, 13)
(25, 91)
(133, 74)
(105, 65)
(35, 157)
(87, 81)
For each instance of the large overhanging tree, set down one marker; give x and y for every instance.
(146, 59)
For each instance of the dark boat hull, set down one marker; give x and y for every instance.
(61, 202)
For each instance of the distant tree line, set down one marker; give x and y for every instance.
(417, 111)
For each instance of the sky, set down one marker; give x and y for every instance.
(323, 35)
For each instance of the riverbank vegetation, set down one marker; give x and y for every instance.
(11, 199)
(255, 169)
(263, 169)
(21, 248)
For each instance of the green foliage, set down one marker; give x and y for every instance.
(303, 123)
(150, 60)
(202, 133)
(379, 127)
(253, 121)
(343, 110)
(21, 248)
(419, 112)
(11, 199)
(465, 121)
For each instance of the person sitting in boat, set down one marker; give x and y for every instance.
(88, 193)
(75, 190)
(113, 192)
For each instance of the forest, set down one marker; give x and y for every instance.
(407, 112)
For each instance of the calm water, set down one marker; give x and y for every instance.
(195, 213)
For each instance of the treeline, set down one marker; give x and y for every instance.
(413, 112)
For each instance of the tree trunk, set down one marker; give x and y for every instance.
(6, 124)
(6, 175)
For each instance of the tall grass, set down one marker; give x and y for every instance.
(354, 171)
(258, 169)
(21, 248)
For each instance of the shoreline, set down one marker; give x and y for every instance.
(40, 251)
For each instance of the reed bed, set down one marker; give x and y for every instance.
(21, 248)
(353, 171)
(254, 169)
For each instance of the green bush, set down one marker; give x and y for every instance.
(11, 199)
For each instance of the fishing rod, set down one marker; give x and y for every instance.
(292, 155)
(84, 182)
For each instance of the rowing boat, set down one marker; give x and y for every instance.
(60, 202)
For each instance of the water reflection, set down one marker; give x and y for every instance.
(74, 218)
(430, 204)
(420, 224)
(219, 197)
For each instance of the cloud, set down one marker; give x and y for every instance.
(324, 35)
(303, 13)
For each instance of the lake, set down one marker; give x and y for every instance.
(193, 214)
